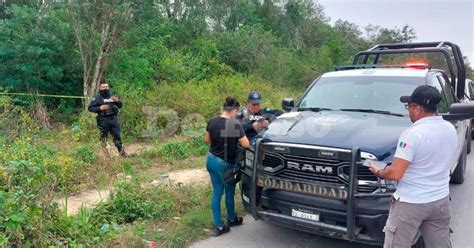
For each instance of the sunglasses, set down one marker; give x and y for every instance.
(407, 106)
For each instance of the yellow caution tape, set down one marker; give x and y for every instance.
(27, 94)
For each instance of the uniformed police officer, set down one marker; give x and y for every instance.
(421, 164)
(254, 118)
(107, 108)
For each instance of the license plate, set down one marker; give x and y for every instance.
(304, 215)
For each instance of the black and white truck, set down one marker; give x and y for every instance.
(305, 172)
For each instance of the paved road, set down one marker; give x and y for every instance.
(259, 234)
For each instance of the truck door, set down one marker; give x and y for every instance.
(448, 99)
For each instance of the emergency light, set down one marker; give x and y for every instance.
(418, 65)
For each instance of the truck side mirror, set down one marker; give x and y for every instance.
(287, 104)
(460, 111)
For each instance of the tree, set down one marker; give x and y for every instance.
(34, 54)
(245, 49)
(469, 70)
(351, 39)
(97, 26)
(378, 35)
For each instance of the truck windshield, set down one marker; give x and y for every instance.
(361, 93)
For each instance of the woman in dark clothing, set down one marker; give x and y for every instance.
(223, 134)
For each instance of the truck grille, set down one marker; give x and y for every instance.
(363, 173)
(274, 160)
(291, 173)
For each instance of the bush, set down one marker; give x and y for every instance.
(86, 128)
(85, 154)
(170, 151)
(79, 230)
(131, 202)
(285, 68)
(173, 150)
(32, 171)
(243, 49)
(197, 146)
(26, 204)
(191, 205)
(142, 66)
(141, 108)
(182, 97)
(15, 121)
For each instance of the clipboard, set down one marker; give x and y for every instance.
(379, 164)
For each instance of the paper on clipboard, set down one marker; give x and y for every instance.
(379, 164)
(288, 115)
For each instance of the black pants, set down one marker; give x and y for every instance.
(110, 124)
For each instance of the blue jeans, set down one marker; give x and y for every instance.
(216, 167)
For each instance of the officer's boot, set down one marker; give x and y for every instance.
(123, 153)
(120, 148)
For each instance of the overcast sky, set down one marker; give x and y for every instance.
(435, 20)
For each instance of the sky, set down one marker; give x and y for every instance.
(433, 20)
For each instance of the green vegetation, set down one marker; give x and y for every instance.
(35, 170)
(177, 149)
(172, 63)
(212, 47)
(180, 225)
(172, 217)
(37, 167)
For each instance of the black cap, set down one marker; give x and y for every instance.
(254, 97)
(424, 95)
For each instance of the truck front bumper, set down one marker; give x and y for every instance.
(276, 206)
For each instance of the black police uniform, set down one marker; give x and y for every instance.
(107, 120)
(247, 118)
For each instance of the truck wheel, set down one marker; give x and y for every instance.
(458, 175)
(420, 243)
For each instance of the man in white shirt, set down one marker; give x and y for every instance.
(424, 155)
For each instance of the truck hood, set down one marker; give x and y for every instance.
(374, 133)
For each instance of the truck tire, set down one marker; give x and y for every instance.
(458, 175)
(420, 243)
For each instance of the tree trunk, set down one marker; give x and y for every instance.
(88, 20)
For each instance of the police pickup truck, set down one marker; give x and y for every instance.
(305, 172)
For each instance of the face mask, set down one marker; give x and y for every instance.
(105, 93)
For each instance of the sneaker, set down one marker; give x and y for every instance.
(236, 222)
(220, 230)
